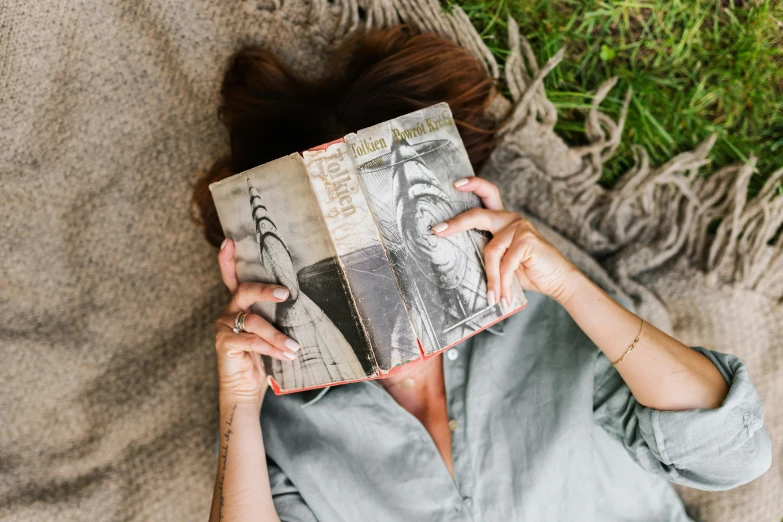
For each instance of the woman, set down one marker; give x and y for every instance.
(578, 410)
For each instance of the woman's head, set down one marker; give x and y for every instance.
(375, 76)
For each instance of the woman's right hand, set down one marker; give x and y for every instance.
(241, 376)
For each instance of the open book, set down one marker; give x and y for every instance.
(346, 228)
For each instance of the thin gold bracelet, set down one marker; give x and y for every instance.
(631, 347)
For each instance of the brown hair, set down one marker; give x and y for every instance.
(374, 76)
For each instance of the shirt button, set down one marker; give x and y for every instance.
(468, 502)
(453, 424)
(452, 354)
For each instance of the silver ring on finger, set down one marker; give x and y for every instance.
(239, 322)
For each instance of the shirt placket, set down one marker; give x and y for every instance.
(455, 368)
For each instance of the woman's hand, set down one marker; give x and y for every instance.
(516, 247)
(241, 375)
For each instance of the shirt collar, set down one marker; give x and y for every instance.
(496, 329)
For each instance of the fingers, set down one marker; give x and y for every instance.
(259, 337)
(478, 218)
(248, 293)
(517, 254)
(505, 253)
(487, 191)
(505, 227)
(228, 267)
(245, 342)
(493, 255)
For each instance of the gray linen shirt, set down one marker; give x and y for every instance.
(544, 429)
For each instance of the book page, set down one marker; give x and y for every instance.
(406, 168)
(362, 256)
(271, 214)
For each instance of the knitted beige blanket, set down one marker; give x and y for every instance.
(109, 293)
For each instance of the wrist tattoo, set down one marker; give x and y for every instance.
(227, 437)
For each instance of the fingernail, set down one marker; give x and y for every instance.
(460, 182)
(280, 293)
(290, 355)
(504, 302)
(291, 344)
(223, 243)
(440, 227)
(491, 297)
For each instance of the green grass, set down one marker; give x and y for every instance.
(696, 67)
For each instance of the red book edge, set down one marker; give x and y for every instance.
(276, 388)
(324, 146)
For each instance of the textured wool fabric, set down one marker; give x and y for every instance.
(109, 291)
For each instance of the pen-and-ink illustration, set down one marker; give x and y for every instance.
(324, 349)
(443, 278)
(280, 237)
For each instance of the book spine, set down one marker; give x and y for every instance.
(359, 248)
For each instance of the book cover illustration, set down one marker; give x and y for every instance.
(274, 220)
(406, 168)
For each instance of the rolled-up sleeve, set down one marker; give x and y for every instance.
(289, 504)
(709, 449)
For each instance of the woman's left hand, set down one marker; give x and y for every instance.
(516, 246)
